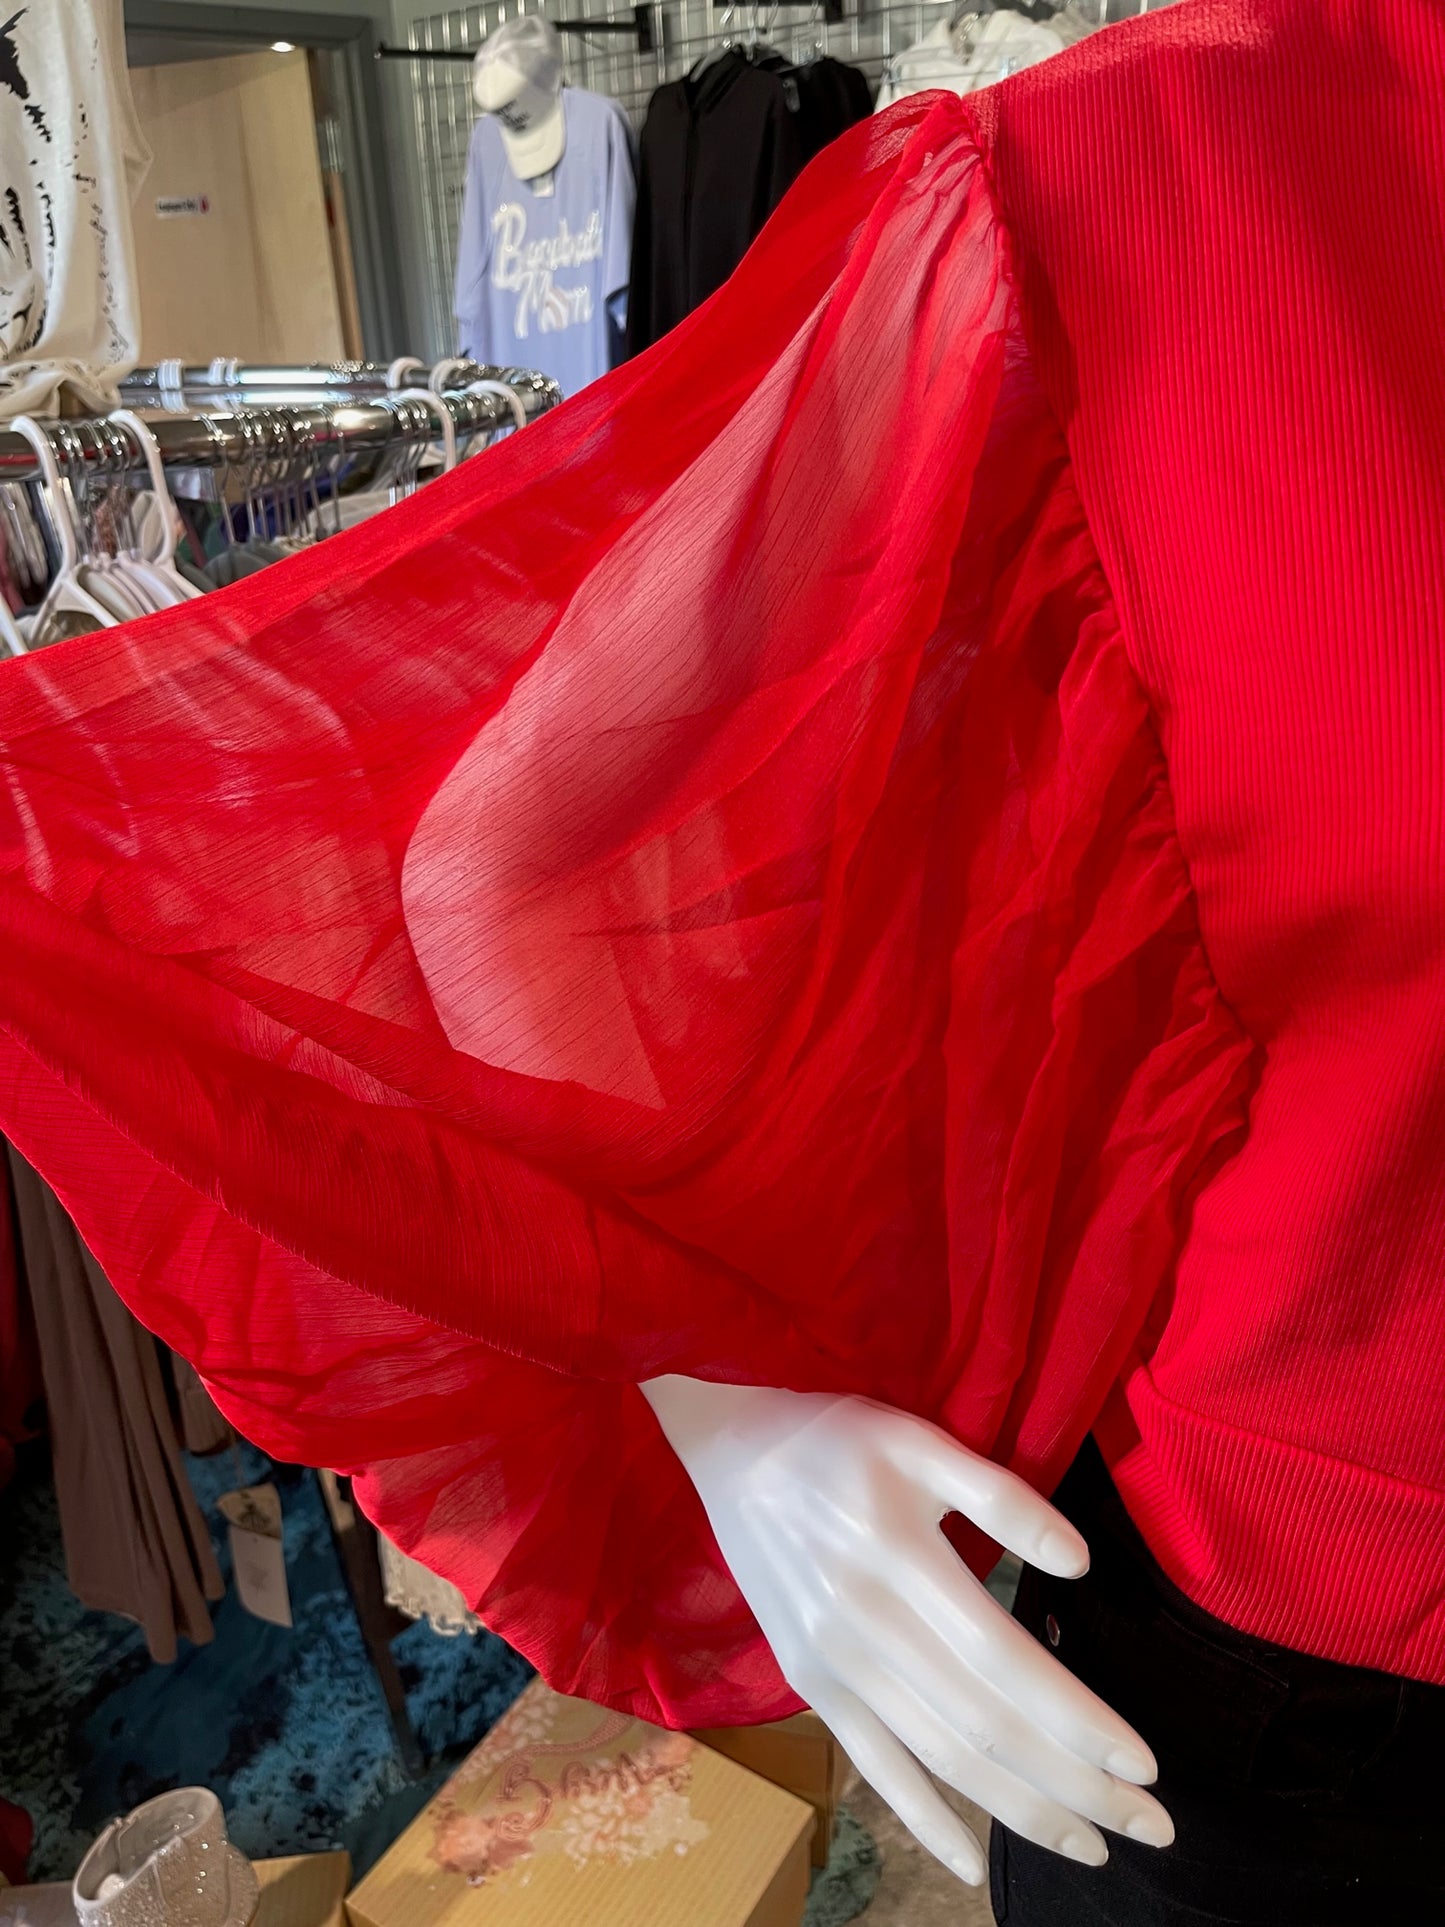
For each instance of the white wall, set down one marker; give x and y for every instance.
(399, 137)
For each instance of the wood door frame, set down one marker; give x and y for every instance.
(371, 214)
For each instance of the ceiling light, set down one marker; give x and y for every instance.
(282, 47)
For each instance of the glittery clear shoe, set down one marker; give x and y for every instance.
(168, 1864)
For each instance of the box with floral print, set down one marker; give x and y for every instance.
(567, 1813)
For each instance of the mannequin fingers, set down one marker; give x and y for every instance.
(1022, 1808)
(896, 1777)
(1000, 1649)
(1005, 1506)
(983, 1715)
(1088, 1790)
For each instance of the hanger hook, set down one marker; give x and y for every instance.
(54, 491)
(150, 448)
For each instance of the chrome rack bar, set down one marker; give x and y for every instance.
(227, 439)
(832, 9)
(160, 385)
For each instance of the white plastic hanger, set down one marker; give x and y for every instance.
(158, 565)
(447, 369)
(9, 633)
(67, 594)
(18, 539)
(93, 458)
(430, 398)
(508, 394)
(126, 592)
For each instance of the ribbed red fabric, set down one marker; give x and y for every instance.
(1229, 224)
(699, 891)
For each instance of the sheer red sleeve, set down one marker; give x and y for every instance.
(695, 891)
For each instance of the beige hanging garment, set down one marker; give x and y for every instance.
(135, 1540)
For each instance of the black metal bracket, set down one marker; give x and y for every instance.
(642, 28)
(832, 10)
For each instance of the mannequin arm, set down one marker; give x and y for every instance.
(827, 1511)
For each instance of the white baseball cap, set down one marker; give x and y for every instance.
(517, 76)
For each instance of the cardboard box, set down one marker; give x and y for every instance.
(800, 1755)
(46, 1906)
(304, 1891)
(308, 1890)
(570, 1816)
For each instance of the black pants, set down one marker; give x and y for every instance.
(1304, 1793)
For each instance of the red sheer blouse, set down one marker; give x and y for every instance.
(696, 891)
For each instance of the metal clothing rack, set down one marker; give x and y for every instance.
(641, 29)
(252, 383)
(831, 10)
(318, 429)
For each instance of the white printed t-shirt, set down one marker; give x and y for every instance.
(72, 157)
(542, 266)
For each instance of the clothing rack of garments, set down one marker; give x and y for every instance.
(320, 429)
(877, 39)
(108, 518)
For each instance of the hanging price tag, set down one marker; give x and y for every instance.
(258, 1555)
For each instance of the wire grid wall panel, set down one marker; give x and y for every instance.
(873, 32)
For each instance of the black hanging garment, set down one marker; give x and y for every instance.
(719, 150)
(835, 96)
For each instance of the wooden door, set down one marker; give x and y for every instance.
(232, 238)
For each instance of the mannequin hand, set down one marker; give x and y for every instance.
(827, 1511)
